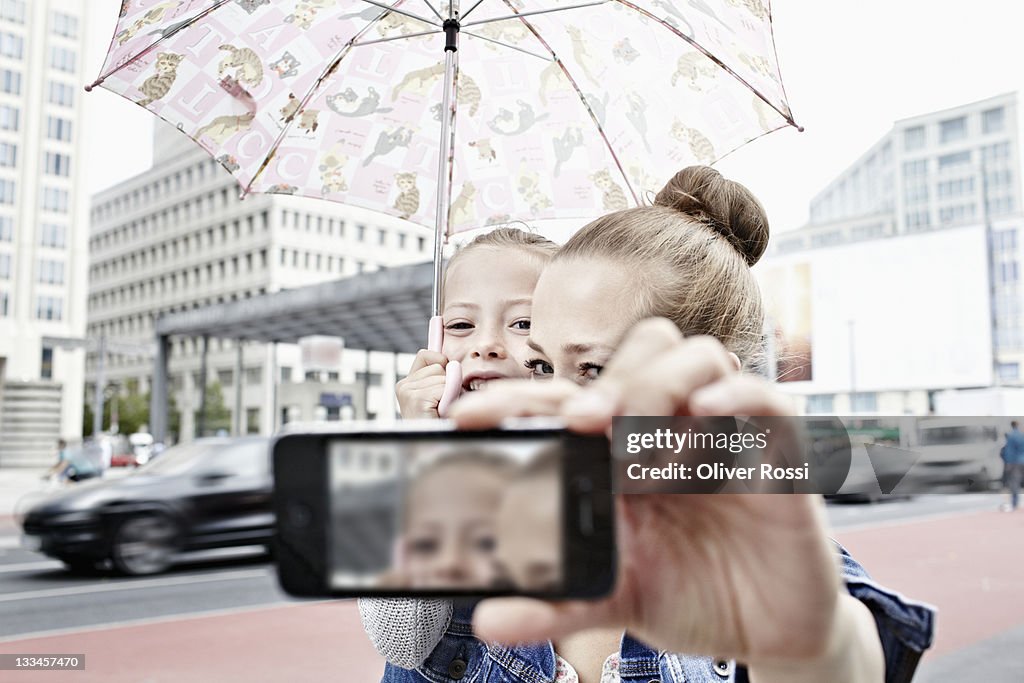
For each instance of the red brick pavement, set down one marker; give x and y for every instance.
(971, 567)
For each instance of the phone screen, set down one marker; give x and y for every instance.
(465, 515)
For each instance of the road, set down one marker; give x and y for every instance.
(224, 618)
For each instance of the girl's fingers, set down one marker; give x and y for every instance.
(424, 358)
(511, 398)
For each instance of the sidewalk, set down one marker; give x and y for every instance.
(15, 483)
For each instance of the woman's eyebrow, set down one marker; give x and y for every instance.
(524, 301)
(535, 346)
(583, 349)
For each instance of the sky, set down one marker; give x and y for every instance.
(850, 69)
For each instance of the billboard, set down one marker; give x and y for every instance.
(901, 313)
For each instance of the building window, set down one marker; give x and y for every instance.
(6, 191)
(49, 308)
(819, 404)
(6, 229)
(58, 164)
(361, 233)
(13, 11)
(225, 377)
(11, 45)
(375, 379)
(913, 138)
(8, 154)
(5, 266)
(252, 420)
(254, 376)
(55, 199)
(993, 120)
(951, 130)
(58, 129)
(46, 364)
(4, 305)
(381, 237)
(401, 241)
(8, 117)
(10, 81)
(51, 272)
(863, 402)
(955, 159)
(286, 373)
(65, 25)
(1009, 371)
(62, 94)
(62, 59)
(1008, 272)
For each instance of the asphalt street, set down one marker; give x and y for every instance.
(223, 618)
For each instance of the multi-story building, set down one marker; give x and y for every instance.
(177, 238)
(43, 233)
(950, 169)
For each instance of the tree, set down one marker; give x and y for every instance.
(133, 413)
(218, 416)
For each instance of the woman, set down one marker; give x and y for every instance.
(744, 578)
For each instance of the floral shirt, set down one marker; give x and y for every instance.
(564, 673)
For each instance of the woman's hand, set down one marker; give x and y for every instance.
(420, 391)
(750, 577)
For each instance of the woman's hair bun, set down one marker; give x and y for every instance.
(724, 205)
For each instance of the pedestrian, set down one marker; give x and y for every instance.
(59, 469)
(1013, 465)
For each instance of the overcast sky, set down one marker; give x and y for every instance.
(850, 69)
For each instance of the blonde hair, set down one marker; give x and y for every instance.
(691, 251)
(531, 243)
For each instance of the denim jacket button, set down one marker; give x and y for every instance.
(723, 668)
(457, 669)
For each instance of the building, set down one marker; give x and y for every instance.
(43, 227)
(959, 170)
(177, 238)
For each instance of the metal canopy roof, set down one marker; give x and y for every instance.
(386, 310)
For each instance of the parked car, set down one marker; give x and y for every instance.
(211, 493)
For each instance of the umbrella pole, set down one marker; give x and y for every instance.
(451, 29)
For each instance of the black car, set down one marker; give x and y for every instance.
(211, 493)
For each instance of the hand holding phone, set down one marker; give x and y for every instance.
(428, 511)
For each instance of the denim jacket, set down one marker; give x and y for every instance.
(905, 627)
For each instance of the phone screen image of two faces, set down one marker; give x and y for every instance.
(432, 516)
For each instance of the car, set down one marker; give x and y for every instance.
(211, 493)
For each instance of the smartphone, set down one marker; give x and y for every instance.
(424, 510)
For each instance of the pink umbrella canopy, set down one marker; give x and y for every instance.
(558, 108)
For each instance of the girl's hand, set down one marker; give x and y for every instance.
(750, 577)
(420, 391)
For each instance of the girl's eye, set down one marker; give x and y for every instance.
(522, 324)
(590, 371)
(485, 544)
(423, 546)
(460, 325)
(540, 368)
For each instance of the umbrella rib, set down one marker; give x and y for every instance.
(511, 47)
(434, 10)
(331, 68)
(520, 15)
(393, 38)
(145, 51)
(470, 10)
(583, 100)
(716, 60)
(411, 15)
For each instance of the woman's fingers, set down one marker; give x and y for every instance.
(522, 620)
(658, 383)
(511, 398)
(740, 395)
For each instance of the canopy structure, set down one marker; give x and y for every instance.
(386, 310)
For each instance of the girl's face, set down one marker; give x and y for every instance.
(450, 538)
(529, 557)
(488, 296)
(581, 310)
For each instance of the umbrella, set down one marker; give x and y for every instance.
(452, 115)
